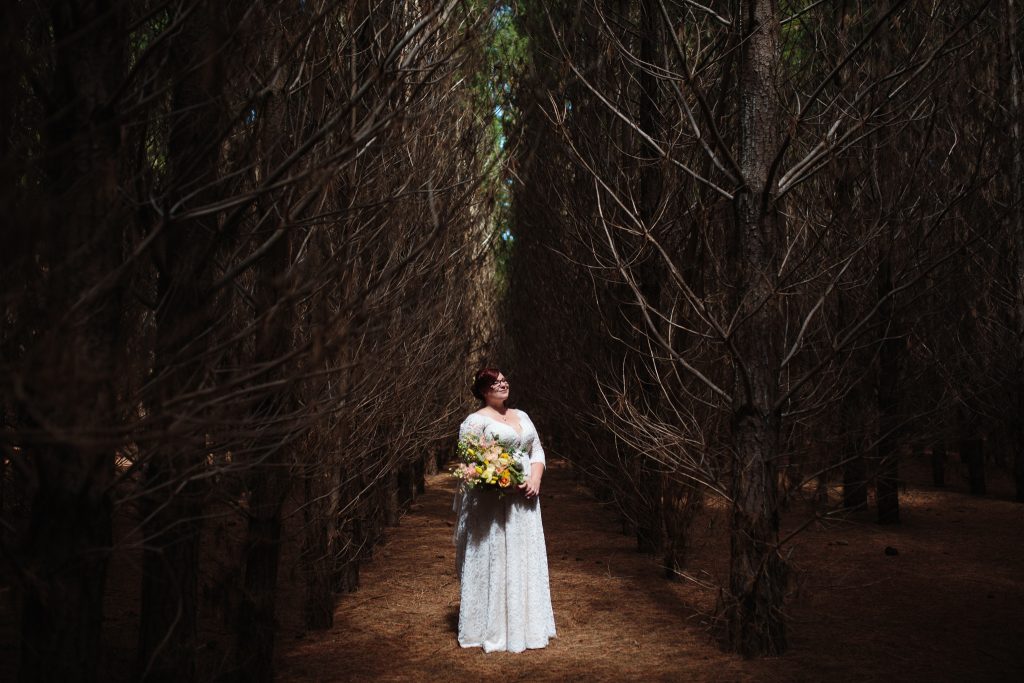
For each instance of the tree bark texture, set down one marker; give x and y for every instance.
(1017, 230)
(173, 504)
(972, 453)
(757, 572)
(855, 473)
(68, 540)
(319, 510)
(939, 464)
(652, 522)
(886, 451)
(269, 476)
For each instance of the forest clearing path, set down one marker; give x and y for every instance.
(858, 614)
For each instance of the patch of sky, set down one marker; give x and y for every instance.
(502, 12)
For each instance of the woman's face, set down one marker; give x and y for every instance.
(498, 393)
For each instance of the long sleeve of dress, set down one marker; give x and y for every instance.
(536, 450)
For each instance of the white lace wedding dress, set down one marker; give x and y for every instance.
(500, 555)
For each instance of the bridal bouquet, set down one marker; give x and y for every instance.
(488, 463)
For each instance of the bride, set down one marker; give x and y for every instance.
(500, 554)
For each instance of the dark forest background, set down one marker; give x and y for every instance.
(750, 253)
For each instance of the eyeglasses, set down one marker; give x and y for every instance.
(499, 383)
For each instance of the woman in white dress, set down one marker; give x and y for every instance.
(500, 554)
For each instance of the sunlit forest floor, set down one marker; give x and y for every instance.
(949, 606)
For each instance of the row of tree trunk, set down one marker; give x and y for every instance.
(761, 241)
(236, 312)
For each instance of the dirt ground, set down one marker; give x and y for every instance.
(948, 607)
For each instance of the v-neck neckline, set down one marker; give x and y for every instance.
(518, 433)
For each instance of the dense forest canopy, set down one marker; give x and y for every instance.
(767, 247)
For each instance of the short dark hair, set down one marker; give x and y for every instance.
(484, 380)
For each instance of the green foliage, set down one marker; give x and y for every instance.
(504, 60)
(798, 43)
(146, 35)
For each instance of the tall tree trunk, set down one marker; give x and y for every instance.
(173, 500)
(972, 452)
(268, 475)
(939, 464)
(406, 483)
(319, 511)
(855, 473)
(268, 486)
(390, 499)
(651, 517)
(757, 572)
(886, 451)
(67, 552)
(891, 346)
(1017, 230)
(68, 541)
(262, 554)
